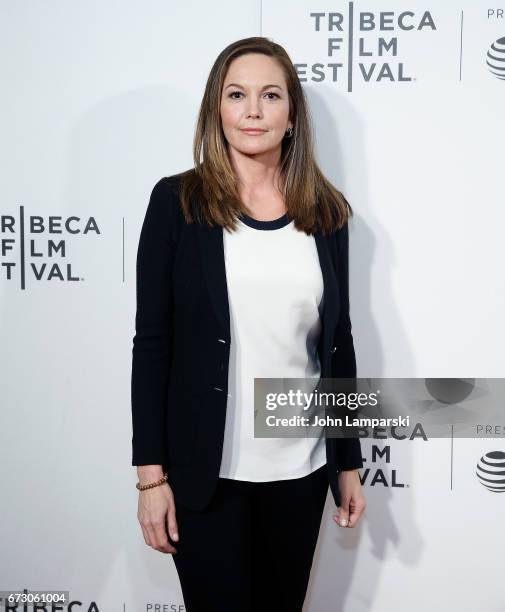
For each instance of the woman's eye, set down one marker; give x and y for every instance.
(268, 93)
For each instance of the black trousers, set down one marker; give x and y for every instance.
(251, 548)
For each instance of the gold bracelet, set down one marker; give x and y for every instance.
(152, 484)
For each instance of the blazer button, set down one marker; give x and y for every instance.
(334, 349)
(221, 340)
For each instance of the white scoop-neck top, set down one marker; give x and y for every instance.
(275, 293)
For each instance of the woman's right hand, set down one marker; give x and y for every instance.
(156, 508)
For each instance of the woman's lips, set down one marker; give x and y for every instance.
(253, 132)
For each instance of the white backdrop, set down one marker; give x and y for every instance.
(99, 100)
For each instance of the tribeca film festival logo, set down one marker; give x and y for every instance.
(34, 247)
(375, 50)
(373, 476)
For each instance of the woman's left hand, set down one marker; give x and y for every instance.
(352, 502)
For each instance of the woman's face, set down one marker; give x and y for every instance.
(255, 95)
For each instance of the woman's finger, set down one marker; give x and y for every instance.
(162, 541)
(172, 523)
(146, 535)
(357, 509)
(158, 536)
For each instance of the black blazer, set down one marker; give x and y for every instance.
(181, 347)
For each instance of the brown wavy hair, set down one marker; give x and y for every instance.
(209, 193)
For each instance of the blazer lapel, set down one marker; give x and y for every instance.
(330, 300)
(211, 244)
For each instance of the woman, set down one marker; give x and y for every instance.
(242, 272)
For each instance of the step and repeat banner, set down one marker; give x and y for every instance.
(99, 101)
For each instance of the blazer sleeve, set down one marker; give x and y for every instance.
(348, 450)
(152, 342)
